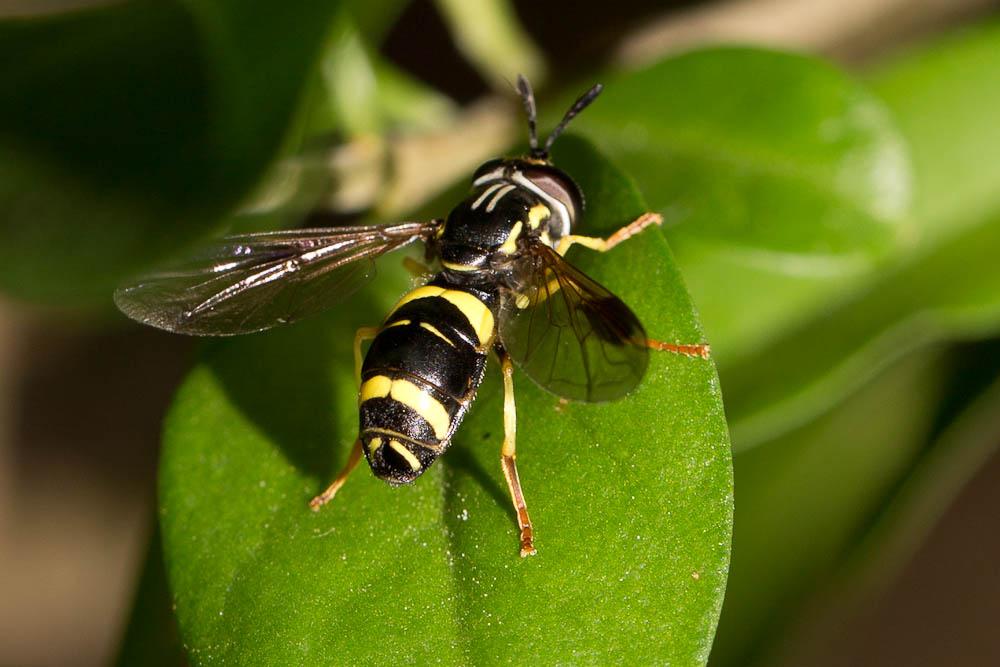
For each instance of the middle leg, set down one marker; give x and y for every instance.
(508, 455)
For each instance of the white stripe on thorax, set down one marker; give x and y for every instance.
(486, 193)
(499, 195)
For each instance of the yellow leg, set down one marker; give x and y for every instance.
(508, 456)
(331, 490)
(360, 336)
(415, 268)
(603, 245)
(702, 350)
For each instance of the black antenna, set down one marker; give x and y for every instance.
(581, 103)
(528, 97)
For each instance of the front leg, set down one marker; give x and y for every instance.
(603, 245)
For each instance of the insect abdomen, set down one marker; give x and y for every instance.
(420, 375)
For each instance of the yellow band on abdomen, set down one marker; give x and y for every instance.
(475, 311)
(412, 396)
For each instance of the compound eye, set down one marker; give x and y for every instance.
(557, 186)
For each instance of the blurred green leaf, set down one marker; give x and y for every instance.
(759, 151)
(129, 129)
(779, 177)
(806, 498)
(828, 509)
(374, 19)
(945, 98)
(947, 287)
(935, 478)
(489, 34)
(358, 92)
(631, 500)
(951, 292)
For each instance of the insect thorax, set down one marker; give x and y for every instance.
(512, 203)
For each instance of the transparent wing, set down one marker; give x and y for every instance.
(569, 334)
(252, 282)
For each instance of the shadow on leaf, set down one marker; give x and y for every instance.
(287, 382)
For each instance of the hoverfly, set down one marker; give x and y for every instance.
(503, 286)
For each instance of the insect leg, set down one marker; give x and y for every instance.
(415, 268)
(508, 455)
(331, 490)
(603, 245)
(702, 350)
(360, 336)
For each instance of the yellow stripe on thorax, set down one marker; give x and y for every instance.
(454, 266)
(411, 396)
(536, 214)
(474, 310)
(510, 245)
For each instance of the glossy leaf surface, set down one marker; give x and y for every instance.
(948, 286)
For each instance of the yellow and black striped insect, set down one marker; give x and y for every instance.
(503, 287)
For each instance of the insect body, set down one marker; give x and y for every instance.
(427, 360)
(420, 375)
(503, 288)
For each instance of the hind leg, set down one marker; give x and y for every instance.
(362, 334)
(702, 350)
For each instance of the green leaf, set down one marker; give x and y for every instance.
(947, 287)
(129, 129)
(490, 36)
(759, 150)
(945, 98)
(806, 497)
(631, 501)
(951, 292)
(935, 478)
(861, 491)
(779, 176)
(360, 93)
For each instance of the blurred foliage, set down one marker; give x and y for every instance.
(130, 129)
(804, 499)
(780, 178)
(945, 288)
(838, 233)
(151, 637)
